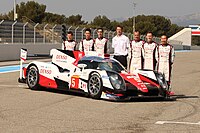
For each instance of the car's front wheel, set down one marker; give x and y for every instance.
(33, 78)
(95, 86)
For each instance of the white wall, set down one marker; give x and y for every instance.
(12, 51)
(184, 37)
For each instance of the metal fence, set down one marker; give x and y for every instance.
(32, 33)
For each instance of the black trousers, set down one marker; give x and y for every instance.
(122, 59)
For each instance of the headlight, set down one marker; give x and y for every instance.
(161, 80)
(116, 81)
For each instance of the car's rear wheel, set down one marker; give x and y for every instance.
(95, 86)
(33, 78)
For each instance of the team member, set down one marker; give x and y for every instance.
(100, 45)
(150, 48)
(136, 53)
(87, 44)
(165, 58)
(120, 43)
(69, 44)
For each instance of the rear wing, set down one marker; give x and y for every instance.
(23, 57)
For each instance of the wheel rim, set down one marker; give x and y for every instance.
(32, 77)
(94, 85)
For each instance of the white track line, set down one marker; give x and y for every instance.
(9, 71)
(21, 86)
(174, 122)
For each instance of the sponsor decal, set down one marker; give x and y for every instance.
(47, 67)
(83, 85)
(45, 71)
(129, 77)
(136, 78)
(23, 55)
(75, 82)
(61, 57)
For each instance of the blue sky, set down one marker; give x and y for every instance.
(114, 8)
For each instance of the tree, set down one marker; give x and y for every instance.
(174, 28)
(145, 27)
(162, 24)
(4, 16)
(101, 21)
(128, 25)
(158, 25)
(31, 10)
(75, 20)
(54, 18)
(114, 25)
(196, 40)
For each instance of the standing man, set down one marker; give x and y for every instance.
(69, 44)
(136, 53)
(150, 48)
(120, 43)
(100, 45)
(87, 44)
(165, 58)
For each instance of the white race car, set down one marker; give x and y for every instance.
(96, 76)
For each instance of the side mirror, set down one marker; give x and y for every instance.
(82, 66)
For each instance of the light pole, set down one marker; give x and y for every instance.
(134, 15)
(15, 14)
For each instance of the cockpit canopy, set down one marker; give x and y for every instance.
(94, 62)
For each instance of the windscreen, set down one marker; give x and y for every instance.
(102, 64)
(110, 66)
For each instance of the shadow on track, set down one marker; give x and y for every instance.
(184, 96)
(63, 92)
(137, 99)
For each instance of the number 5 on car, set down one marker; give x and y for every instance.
(75, 82)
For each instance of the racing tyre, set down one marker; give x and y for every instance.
(95, 86)
(33, 78)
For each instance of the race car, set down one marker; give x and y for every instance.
(98, 77)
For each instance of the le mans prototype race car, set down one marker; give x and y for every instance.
(98, 77)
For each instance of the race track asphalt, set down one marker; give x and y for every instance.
(26, 111)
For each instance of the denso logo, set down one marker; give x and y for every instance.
(45, 71)
(62, 57)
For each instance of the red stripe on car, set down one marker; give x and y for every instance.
(47, 82)
(136, 81)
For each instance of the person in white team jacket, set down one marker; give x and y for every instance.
(70, 43)
(150, 48)
(165, 58)
(136, 53)
(87, 44)
(100, 45)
